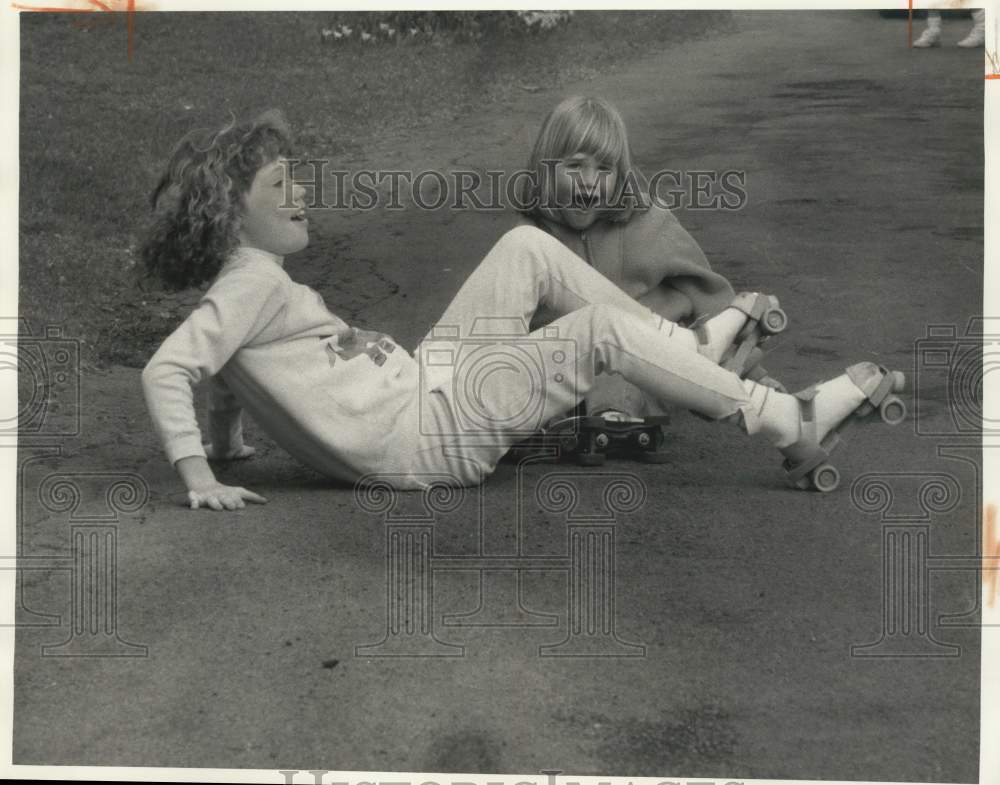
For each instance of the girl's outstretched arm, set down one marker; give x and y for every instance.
(232, 313)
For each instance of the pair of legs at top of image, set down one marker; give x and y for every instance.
(932, 33)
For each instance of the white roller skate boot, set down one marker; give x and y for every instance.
(826, 409)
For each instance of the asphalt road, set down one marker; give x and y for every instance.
(737, 598)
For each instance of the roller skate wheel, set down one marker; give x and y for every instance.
(898, 381)
(825, 478)
(774, 321)
(892, 410)
(643, 440)
(602, 440)
(590, 458)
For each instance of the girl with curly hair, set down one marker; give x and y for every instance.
(198, 201)
(356, 406)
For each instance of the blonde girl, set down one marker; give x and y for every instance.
(586, 192)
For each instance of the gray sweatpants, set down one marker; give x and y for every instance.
(487, 382)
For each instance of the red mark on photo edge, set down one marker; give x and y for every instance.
(991, 553)
(992, 58)
(994, 61)
(128, 7)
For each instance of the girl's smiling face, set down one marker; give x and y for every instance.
(270, 222)
(582, 187)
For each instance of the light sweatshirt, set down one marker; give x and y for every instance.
(342, 400)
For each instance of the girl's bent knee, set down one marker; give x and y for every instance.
(524, 237)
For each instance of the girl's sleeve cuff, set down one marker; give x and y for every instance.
(184, 447)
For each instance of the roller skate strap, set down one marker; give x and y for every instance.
(808, 452)
(760, 304)
(755, 355)
(758, 373)
(743, 360)
(876, 392)
(734, 360)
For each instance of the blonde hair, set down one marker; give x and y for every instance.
(583, 125)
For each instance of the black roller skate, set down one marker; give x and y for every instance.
(590, 439)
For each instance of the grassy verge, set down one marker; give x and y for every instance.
(96, 127)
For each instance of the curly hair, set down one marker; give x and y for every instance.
(198, 202)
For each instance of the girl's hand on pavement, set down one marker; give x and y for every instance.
(223, 497)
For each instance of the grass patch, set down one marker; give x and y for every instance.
(95, 127)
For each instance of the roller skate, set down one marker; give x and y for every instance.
(806, 462)
(590, 439)
(764, 318)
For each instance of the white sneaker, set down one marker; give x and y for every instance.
(975, 38)
(930, 37)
